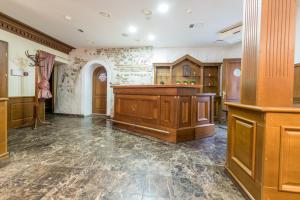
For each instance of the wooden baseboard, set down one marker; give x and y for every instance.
(181, 135)
(240, 186)
(71, 115)
(4, 156)
(204, 131)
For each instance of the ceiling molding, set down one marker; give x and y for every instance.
(16, 27)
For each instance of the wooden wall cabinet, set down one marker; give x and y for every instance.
(3, 128)
(205, 75)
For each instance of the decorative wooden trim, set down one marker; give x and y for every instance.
(190, 58)
(16, 27)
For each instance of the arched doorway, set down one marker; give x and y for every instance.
(99, 91)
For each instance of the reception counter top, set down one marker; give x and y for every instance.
(174, 113)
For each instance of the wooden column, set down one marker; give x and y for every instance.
(264, 129)
(268, 52)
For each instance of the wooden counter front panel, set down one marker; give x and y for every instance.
(263, 152)
(169, 112)
(138, 109)
(185, 112)
(201, 110)
(289, 174)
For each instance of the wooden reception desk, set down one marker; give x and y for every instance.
(171, 113)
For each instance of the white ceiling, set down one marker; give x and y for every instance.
(171, 29)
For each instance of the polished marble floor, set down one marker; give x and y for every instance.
(78, 158)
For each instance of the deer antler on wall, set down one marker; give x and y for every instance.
(36, 59)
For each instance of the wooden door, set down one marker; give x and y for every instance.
(231, 81)
(3, 69)
(99, 90)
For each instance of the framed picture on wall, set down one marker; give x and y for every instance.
(187, 70)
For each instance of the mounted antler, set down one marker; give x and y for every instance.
(36, 59)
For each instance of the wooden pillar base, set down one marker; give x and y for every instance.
(263, 151)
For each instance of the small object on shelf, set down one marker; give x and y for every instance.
(187, 70)
(162, 82)
(192, 82)
(186, 82)
(178, 82)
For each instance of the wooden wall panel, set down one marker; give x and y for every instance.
(289, 176)
(21, 112)
(3, 128)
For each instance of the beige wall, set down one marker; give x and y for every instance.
(17, 85)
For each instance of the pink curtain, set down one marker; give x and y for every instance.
(46, 66)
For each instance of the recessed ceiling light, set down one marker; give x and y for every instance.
(80, 30)
(105, 14)
(132, 29)
(163, 8)
(188, 11)
(191, 26)
(151, 37)
(67, 17)
(147, 12)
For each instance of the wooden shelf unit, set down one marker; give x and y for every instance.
(205, 75)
